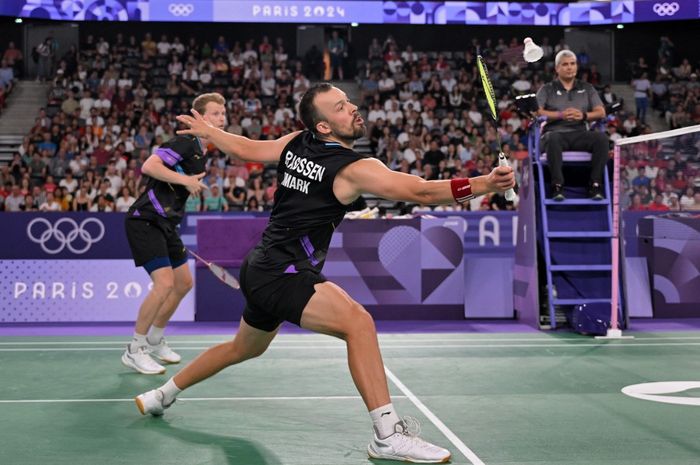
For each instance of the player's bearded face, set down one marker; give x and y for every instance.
(350, 127)
(341, 115)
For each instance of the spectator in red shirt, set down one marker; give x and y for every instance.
(101, 154)
(637, 203)
(658, 204)
(679, 183)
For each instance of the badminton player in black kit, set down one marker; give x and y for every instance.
(319, 175)
(175, 170)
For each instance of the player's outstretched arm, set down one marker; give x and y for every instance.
(233, 144)
(372, 176)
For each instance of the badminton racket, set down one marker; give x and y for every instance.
(491, 99)
(219, 271)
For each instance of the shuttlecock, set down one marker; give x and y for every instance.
(532, 51)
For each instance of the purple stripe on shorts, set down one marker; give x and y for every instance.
(169, 157)
(291, 269)
(156, 203)
(309, 249)
(137, 213)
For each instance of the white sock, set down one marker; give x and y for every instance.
(170, 391)
(139, 340)
(155, 335)
(384, 419)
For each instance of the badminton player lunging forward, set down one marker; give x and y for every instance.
(318, 176)
(175, 170)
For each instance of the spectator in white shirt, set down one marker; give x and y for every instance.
(668, 194)
(282, 112)
(125, 81)
(102, 46)
(475, 115)
(163, 46)
(408, 55)
(50, 205)
(94, 119)
(177, 46)
(448, 82)
(175, 66)
(376, 113)
(69, 183)
(125, 200)
(103, 104)
(687, 202)
(389, 104)
(386, 84)
(613, 135)
(522, 85)
(267, 83)
(394, 115)
(414, 101)
(86, 103)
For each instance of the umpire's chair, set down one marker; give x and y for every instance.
(573, 235)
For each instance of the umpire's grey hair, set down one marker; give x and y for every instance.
(563, 54)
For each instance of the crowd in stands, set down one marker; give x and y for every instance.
(10, 69)
(664, 175)
(113, 103)
(672, 87)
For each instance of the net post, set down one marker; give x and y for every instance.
(614, 331)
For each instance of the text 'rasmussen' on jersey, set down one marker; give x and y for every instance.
(304, 167)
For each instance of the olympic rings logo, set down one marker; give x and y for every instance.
(181, 9)
(666, 9)
(51, 234)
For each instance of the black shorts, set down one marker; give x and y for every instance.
(150, 240)
(272, 299)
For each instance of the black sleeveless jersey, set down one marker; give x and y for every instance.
(162, 200)
(305, 211)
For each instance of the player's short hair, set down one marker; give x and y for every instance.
(563, 54)
(200, 103)
(308, 113)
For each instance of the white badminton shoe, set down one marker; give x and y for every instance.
(151, 402)
(163, 352)
(141, 361)
(405, 445)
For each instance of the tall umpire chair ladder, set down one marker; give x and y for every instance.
(574, 235)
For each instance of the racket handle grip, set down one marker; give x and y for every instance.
(503, 161)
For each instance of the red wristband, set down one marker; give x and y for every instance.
(461, 189)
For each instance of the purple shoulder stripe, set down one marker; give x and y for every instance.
(169, 157)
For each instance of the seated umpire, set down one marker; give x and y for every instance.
(569, 104)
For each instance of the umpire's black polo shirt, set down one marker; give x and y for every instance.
(553, 97)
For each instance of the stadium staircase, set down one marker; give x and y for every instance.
(18, 118)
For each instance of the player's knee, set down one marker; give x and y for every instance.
(361, 321)
(237, 352)
(183, 286)
(164, 285)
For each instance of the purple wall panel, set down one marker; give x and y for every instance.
(675, 264)
(525, 279)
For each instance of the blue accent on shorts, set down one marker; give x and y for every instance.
(157, 263)
(179, 263)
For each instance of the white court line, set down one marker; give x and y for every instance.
(466, 451)
(326, 339)
(183, 399)
(382, 346)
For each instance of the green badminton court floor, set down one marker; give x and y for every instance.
(494, 399)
